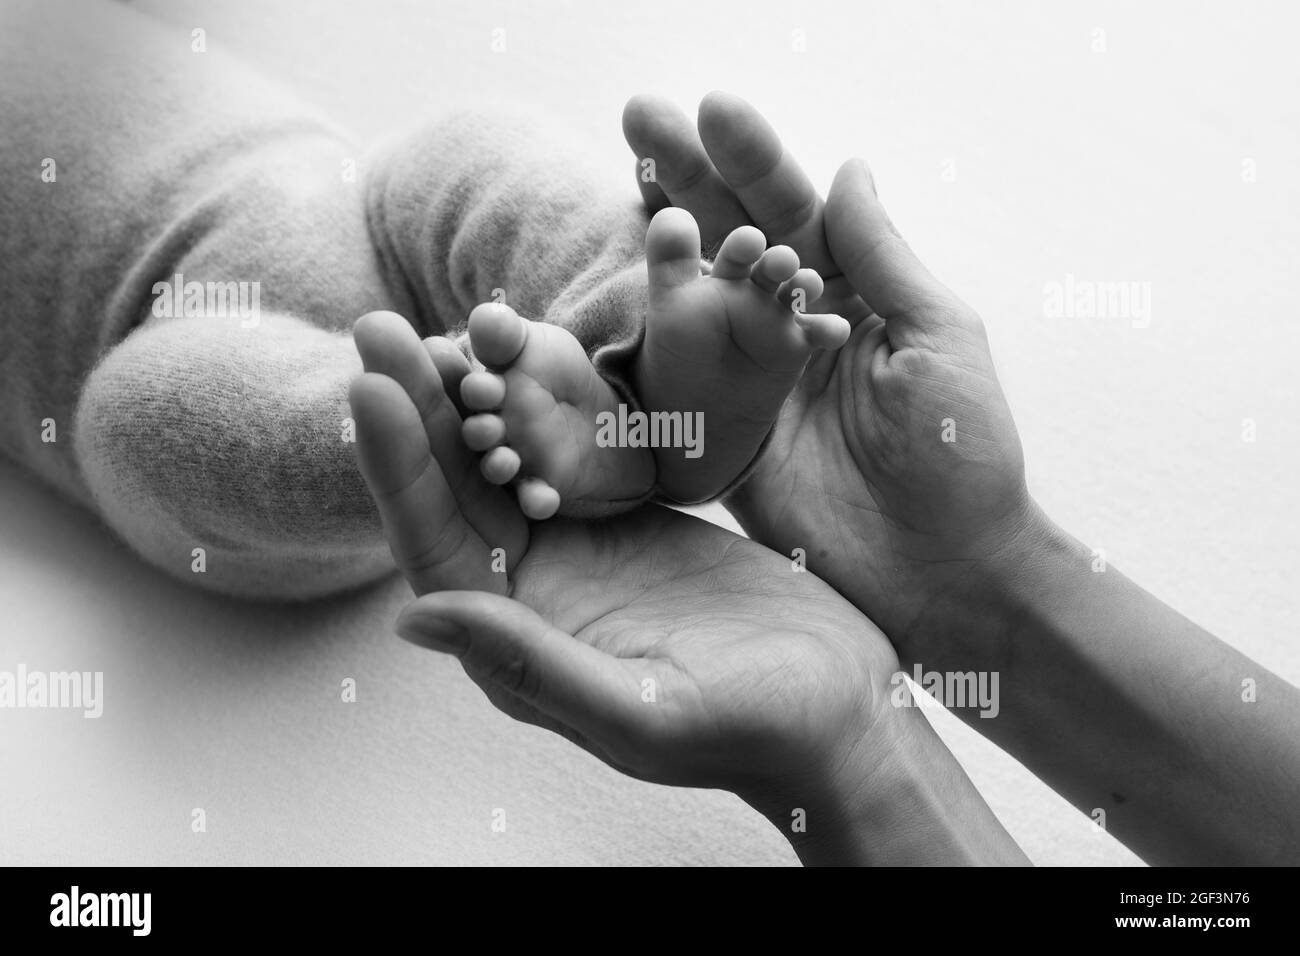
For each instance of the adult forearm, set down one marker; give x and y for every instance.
(1189, 749)
(899, 799)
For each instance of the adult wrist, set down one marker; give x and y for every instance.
(976, 608)
(896, 797)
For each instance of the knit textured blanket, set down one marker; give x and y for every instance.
(185, 249)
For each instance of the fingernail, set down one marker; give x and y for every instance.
(866, 171)
(433, 633)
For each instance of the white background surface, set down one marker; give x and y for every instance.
(1113, 166)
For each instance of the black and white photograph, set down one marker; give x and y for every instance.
(563, 433)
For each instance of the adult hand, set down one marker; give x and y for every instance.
(669, 648)
(898, 469)
(896, 466)
(740, 649)
(678, 653)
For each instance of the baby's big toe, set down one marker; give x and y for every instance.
(496, 334)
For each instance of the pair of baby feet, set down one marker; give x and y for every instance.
(725, 343)
(724, 346)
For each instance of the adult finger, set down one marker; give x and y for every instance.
(652, 194)
(880, 265)
(452, 366)
(775, 191)
(390, 347)
(431, 541)
(510, 645)
(658, 131)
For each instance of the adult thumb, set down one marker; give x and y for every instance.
(879, 264)
(509, 644)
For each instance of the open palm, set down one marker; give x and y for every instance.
(701, 658)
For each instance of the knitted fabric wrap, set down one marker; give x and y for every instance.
(136, 169)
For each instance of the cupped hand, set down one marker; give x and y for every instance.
(671, 649)
(677, 653)
(896, 467)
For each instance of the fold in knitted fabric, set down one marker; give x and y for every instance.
(217, 445)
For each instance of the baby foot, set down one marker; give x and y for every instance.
(729, 169)
(442, 520)
(537, 413)
(726, 348)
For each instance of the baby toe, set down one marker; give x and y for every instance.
(500, 464)
(738, 253)
(482, 432)
(824, 331)
(537, 499)
(483, 391)
(774, 267)
(496, 334)
(800, 290)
